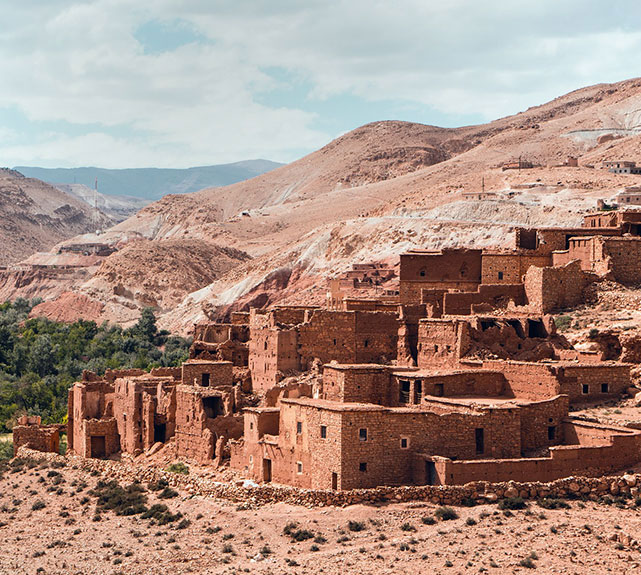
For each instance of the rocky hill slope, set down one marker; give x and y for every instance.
(382, 189)
(35, 216)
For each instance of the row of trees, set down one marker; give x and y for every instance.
(40, 359)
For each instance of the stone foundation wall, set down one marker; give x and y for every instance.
(256, 496)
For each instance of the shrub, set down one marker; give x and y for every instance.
(112, 496)
(408, 527)
(470, 521)
(356, 526)
(563, 322)
(553, 503)
(168, 493)
(512, 503)
(446, 513)
(528, 563)
(428, 520)
(178, 467)
(38, 505)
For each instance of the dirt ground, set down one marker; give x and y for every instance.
(47, 525)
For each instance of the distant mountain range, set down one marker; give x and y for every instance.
(152, 183)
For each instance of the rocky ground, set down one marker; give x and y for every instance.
(49, 524)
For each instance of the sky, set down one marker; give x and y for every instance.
(179, 83)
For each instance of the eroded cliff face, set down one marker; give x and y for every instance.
(35, 216)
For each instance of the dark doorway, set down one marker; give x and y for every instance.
(160, 432)
(213, 406)
(551, 433)
(267, 470)
(204, 380)
(439, 389)
(334, 481)
(480, 440)
(418, 391)
(404, 391)
(535, 328)
(98, 446)
(430, 473)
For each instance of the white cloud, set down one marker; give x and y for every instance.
(80, 63)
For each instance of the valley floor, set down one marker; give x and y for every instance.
(48, 525)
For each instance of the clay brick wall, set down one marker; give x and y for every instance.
(530, 381)
(542, 423)
(197, 427)
(453, 433)
(39, 437)
(294, 448)
(553, 288)
(212, 332)
(441, 342)
(621, 449)
(595, 376)
(87, 401)
(624, 255)
(496, 296)
(129, 414)
(458, 269)
(218, 372)
(359, 384)
(271, 352)
(239, 317)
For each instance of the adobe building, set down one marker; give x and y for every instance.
(287, 340)
(130, 411)
(461, 376)
(462, 426)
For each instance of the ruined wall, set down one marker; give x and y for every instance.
(203, 415)
(624, 258)
(553, 288)
(271, 353)
(30, 433)
(441, 342)
(90, 401)
(495, 296)
(216, 373)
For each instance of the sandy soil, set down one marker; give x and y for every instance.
(62, 536)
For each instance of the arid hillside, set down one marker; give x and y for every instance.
(377, 191)
(35, 216)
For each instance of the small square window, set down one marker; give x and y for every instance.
(323, 431)
(605, 388)
(362, 434)
(299, 467)
(585, 389)
(405, 442)
(500, 275)
(362, 466)
(251, 425)
(299, 427)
